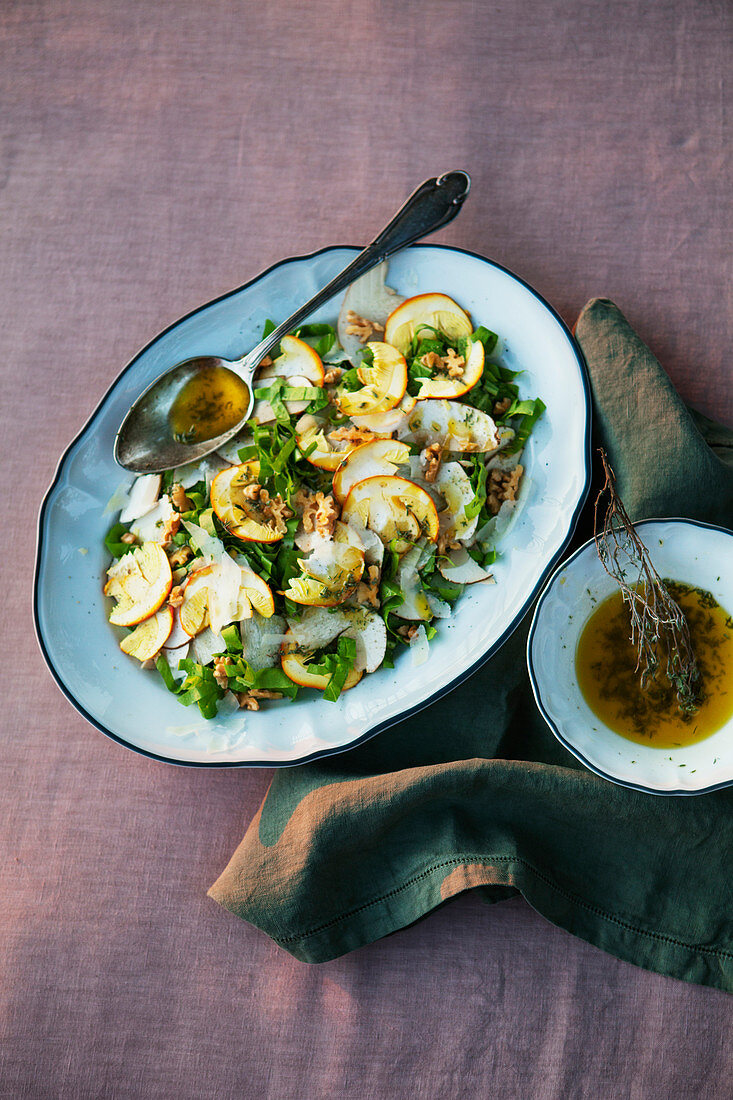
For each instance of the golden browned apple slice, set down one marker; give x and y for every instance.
(329, 575)
(384, 383)
(296, 359)
(394, 508)
(140, 582)
(379, 456)
(240, 509)
(193, 613)
(387, 422)
(443, 385)
(325, 446)
(295, 665)
(437, 311)
(151, 634)
(257, 592)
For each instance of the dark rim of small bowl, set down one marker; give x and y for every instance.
(537, 690)
(380, 727)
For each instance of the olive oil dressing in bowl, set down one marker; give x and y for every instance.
(582, 665)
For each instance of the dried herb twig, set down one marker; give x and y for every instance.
(659, 630)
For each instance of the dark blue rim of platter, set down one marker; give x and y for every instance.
(582, 369)
(538, 693)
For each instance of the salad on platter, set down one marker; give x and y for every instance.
(371, 484)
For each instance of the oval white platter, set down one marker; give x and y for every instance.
(683, 550)
(134, 707)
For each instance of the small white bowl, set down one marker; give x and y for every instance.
(682, 549)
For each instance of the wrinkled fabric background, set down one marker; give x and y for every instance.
(152, 157)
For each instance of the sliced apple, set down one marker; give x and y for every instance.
(193, 613)
(456, 426)
(387, 422)
(329, 575)
(316, 444)
(445, 386)
(435, 310)
(139, 582)
(454, 484)
(258, 593)
(147, 639)
(244, 518)
(379, 456)
(296, 358)
(370, 634)
(394, 508)
(295, 666)
(414, 606)
(384, 383)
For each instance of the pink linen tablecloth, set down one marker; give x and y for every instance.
(152, 157)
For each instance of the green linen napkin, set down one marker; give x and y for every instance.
(475, 792)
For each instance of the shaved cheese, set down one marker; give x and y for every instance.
(462, 569)
(261, 639)
(151, 527)
(119, 499)
(143, 495)
(205, 645)
(204, 470)
(224, 584)
(370, 298)
(441, 609)
(420, 647)
(178, 636)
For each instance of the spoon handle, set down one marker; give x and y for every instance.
(435, 203)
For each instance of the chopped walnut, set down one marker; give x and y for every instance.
(502, 485)
(263, 693)
(454, 363)
(500, 407)
(175, 596)
(432, 361)
(180, 556)
(245, 700)
(320, 513)
(351, 435)
(266, 362)
(432, 457)
(220, 671)
(273, 511)
(128, 538)
(359, 326)
(178, 498)
(332, 375)
(170, 529)
(368, 591)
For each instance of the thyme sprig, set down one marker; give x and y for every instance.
(659, 630)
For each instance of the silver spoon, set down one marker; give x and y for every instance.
(145, 442)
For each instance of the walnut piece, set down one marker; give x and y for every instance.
(273, 511)
(454, 363)
(179, 556)
(502, 485)
(432, 457)
(359, 326)
(320, 513)
(220, 672)
(368, 592)
(432, 360)
(178, 498)
(350, 434)
(175, 596)
(500, 407)
(128, 538)
(332, 375)
(170, 529)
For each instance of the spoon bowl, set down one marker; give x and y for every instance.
(148, 442)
